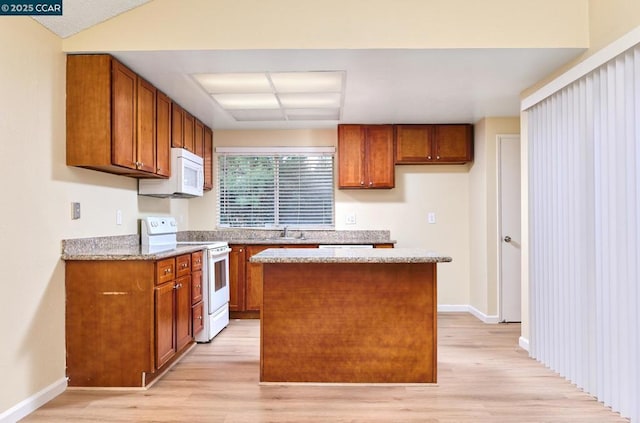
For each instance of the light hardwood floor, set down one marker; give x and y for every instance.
(482, 377)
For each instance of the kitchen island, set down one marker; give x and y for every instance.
(348, 315)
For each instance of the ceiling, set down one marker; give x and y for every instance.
(381, 85)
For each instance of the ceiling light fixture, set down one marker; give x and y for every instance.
(272, 96)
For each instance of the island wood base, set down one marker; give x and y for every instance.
(349, 323)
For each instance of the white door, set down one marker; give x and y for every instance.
(509, 209)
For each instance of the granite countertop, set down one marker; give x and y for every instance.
(348, 255)
(127, 247)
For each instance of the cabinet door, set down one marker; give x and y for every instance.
(123, 109)
(208, 159)
(237, 280)
(196, 286)
(197, 312)
(177, 125)
(379, 156)
(453, 143)
(188, 131)
(254, 278)
(146, 127)
(413, 144)
(183, 311)
(165, 323)
(198, 138)
(163, 134)
(351, 171)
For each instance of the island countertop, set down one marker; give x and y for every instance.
(348, 255)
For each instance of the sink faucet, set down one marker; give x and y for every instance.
(285, 233)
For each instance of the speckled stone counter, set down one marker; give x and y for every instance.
(348, 255)
(127, 247)
(348, 315)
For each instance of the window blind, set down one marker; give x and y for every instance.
(271, 189)
(584, 200)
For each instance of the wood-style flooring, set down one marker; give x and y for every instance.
(482, 377)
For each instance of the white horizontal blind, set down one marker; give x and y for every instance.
(584, 164)
(274, 190)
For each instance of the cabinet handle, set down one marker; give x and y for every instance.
(240, 250)
(167, 271)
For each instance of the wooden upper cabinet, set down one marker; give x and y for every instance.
(188, 132)
(453, 143)
(365, 156)
(124, 116)
(111, 117)
(198, 138)
(163, 135)
(177, 125)
(434, 144)
(146, 127)
(208, 159)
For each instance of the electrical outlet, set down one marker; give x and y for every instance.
(431, 217)
(75, 211)
(118, 217)
(350, 219)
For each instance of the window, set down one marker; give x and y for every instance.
(275, 187)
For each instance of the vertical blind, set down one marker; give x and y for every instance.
(584, 199)
(271, 189)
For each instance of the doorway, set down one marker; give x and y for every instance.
(509, 228)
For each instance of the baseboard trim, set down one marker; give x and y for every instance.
(35, 401)
(452, 308)
(457, 308)
(524, 343)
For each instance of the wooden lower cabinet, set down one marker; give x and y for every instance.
(126, 320)
(237, 262)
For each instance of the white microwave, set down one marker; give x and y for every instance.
(186, 180)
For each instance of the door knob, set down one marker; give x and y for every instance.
(507, 238)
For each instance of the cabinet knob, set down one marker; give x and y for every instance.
(370, 183)
(429, 157)
(437, 157)
(361, 182)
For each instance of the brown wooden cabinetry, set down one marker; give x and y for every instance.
(208, 159)
(365, 156)
(197, 305)
(237, 262)
(126, 320)
(433, 144)
(198, 138)
(177, 125)
(163, 135)
(253, 275)
(111, 117)
(188, 132)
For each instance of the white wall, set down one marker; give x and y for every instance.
(35, 213)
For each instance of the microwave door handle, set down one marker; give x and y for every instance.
(200, 178)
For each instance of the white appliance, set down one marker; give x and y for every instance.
(158, 234)
(215, 287)
(186, 180)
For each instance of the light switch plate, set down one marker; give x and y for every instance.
(75, 211)
(350, 219)
(431, 217)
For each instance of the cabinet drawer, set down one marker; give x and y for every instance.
(196, 286)
(165, 270)
(183, 264)
(196, 261)
(198, 317)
